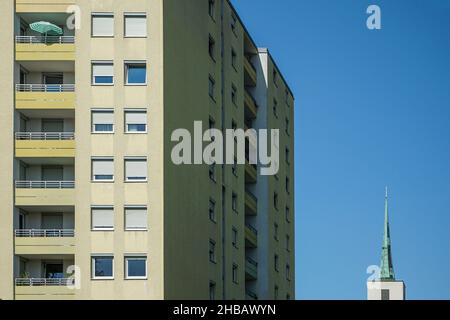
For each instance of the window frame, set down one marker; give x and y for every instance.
(126, 267)
(134, 14)
(132, 207)
(135, 110)
(102, 62)
(104, 159)
(135, 159)
(100, 110)
(102, 14)
(93, 270)
(102, 229)
(126, 65)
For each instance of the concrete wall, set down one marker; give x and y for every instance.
(396, 289)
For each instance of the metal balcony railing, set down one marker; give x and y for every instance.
(251, 295)
(45, 135)
(252, 229)
(251, 195)
(42, 282)
(45, 87)
(45, 184)
(45, 39)
(44, 233)
(252, 262)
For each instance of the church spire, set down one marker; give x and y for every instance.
(387, 267)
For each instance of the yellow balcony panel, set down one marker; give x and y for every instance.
(44, 289)
(251, 108)
(45, 193)
(251, 269)
(251, 204)
(44, 6)
(33, 241)
(250, 73)
(45, 52)
(250, 173)
(63, 145)
(45, 100)
(251, 237)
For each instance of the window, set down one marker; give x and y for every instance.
(287, 126)
(275, 77)
(288, 243)
(288, 272)
(102, 218)
(288, 185)
(234, 168)
(212, 48)
(135, 218)
(212, 251)
(276, 262)
(212, 88)
(288, 216)
(135, 267)
(212, 290)
(135, 73)
(212, 210)
(103, 169)
(275, 108)
(234, 237)
(275, 200)
(102, 121)
(385, 294)
(102, 73)
(275, 293)
(233, 23)
(235, 273)
(287, 154)
(102, 267)
(275, 231)
(233, 94)
(233, 58)
(102, 25)
(212, 8)
(212, 172)
(135, 25)
(135, 121)
(234, 202)
(135, 169)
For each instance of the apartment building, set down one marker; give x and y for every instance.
(92, 205)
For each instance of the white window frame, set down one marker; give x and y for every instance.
(93, 179)
(93, 228)
(135, 110)
(135, 257)
(102, 14)
(93, 257)
(136, 208)
(134, 14)
(127, 63)
(92, 120)
(101, 62)
(125, 169)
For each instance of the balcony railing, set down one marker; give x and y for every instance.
(251, 295)
(45, 40)
(250, 96)
(41, 282)
(45, 135)
(252, 229)
(44, 233)
(45, 184)
(252, 262)
(45, 87)
(251, 195)
(250, 63)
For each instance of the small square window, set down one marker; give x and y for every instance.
(102, 73)
(135, 25)
(103, 169)
(136, 121)
(136, 267)
(102, 121)
(102, 218)
(103, 267)
(102, 25)
(135, 169)
(135, 73)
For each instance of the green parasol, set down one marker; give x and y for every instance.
(46, 28)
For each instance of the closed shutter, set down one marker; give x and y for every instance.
(136, 218)
(102, 218)
(136, 25)
(102, 25)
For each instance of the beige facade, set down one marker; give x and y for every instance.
(85, 184)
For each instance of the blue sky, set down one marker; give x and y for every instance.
(373, 109)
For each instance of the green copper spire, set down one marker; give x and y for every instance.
(387, 268)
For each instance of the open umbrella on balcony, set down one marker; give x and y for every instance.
(46, 28)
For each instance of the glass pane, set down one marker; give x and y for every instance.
(103, 79)
(103, 267)
(136, 74)
(103, 127)
(136, 267)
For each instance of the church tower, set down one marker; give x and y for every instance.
(386, 287)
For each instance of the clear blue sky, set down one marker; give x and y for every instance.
(373, 109)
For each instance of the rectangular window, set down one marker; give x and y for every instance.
(212, 48)
(103, 169)
(135, 218)
(288, 183)
(135, 25)
(385, 294)
(234, 94)
(233, 58)
(288, 243)
(135, 121)
(135, 267)
(212, 251)
(102, 73)
(135, 72)
(275, 77)
(102, 267)
(234, 237)
(288, 272)
(234, 201)
(275, 200)
(212, 8)
(102, 121)
(135, 169)
(212, 210)
(287, 155)
(102, 218)
(276, 262)
(287, 126)
(235, 273)
(288, 215)
(275, 231)
(212, 290)
(212, 88)
(102, 25)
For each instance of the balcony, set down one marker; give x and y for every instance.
(251, 269)
(251, 236)
(45, 144)
(250, 73)
(251, 108)
(44, 241)
(44, 289)
(47, 6)
(249, 295)
(45, 193)
(251, 204)
(45, 96)
(42, 48)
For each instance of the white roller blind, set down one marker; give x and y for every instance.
(136, 117)
(102, 117)
(102, 218)
(136, 169)
(102, 69)
(103, 167)
(102, 25)
(136, 25)
(136, 218)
